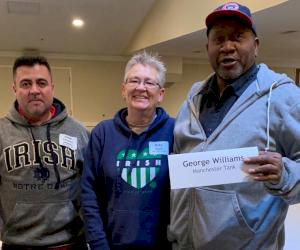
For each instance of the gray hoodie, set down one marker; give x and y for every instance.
(246, 215)
(40, 169)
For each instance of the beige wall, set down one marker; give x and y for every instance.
(176, 93)
(91, 89)
(96, 87)
(291, 72)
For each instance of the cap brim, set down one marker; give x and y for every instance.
(211, 18)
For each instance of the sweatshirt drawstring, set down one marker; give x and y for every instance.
(122, 162)
(133, 163)
(268, 116)
(36, 150)
(54, 158)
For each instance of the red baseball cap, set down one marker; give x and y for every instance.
(231, 9)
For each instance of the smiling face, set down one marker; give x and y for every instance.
(140, 97)
(34, 92)
(232, 49)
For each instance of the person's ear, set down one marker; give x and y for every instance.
(123, 91)
(161, 95)
(256, 46)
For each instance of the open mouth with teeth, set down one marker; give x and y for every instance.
(228, 61)
(140, 97)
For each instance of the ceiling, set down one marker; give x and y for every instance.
(45, 25)
(110, 26)
(278, 29)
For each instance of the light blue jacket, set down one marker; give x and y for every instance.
(247, 215)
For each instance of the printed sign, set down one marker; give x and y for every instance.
(209, 168)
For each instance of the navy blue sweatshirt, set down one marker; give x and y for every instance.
(125, 188)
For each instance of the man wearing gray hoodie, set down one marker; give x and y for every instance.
(41, 159)
(241, 105)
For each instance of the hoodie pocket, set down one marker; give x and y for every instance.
(217, 220)
(42, 223)
(136, 228)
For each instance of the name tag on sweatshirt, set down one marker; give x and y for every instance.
(209, 168)
(68, 141)
(159, 147)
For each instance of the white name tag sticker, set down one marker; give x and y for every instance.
(159, 147)
(68, 141)
(209, 168)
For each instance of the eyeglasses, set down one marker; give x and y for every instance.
(149, 84)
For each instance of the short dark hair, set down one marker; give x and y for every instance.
(30, 61)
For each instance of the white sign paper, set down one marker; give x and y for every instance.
(209, 168)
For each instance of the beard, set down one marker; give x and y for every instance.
(230, 75)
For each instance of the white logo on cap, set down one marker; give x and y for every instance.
(230, 6)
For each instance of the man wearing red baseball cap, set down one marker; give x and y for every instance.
(243, 104)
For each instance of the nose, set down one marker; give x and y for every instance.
(34, 89)
(141, 86)
(228, 46)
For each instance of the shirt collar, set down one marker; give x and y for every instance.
(239, 85)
